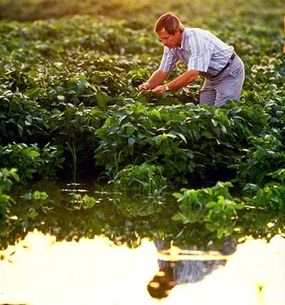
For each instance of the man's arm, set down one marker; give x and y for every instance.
(156, 79)
(179, 82)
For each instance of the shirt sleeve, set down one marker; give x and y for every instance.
(168, 61)
(201, 53)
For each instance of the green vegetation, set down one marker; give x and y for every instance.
(7, 177)
(70, 109)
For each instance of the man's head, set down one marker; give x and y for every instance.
(169, 30)
(162, 283)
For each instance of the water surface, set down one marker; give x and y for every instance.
(125, 249)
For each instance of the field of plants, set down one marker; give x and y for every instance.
(70, 110)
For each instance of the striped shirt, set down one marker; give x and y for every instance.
(191, 271)
(200, 50)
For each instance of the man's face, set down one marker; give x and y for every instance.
(170, 41)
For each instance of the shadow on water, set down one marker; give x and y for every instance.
(88, 235)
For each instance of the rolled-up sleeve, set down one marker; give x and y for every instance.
(168, 61)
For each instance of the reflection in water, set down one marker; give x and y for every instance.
(41, 271)
(180, 266)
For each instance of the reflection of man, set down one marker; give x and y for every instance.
(204, 54)
(172, 273)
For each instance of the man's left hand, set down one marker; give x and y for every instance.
(159, 89)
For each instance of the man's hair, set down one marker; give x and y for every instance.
(161, 284)
(169, 22)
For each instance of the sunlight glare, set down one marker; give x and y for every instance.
(41, 271)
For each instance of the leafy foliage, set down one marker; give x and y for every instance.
(144, 178)
(213, 207)
(7, 177)
(31, 160)
(70, 108)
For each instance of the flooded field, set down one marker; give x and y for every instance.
(41, 271)
(192, 206)
(125, 249)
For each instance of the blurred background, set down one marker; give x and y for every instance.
(204, 12)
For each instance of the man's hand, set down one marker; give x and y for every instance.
(159, 89)
(155, 80)
(144, 87)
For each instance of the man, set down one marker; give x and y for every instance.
(182, 271)
(204, 54)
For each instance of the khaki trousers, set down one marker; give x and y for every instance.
(226, 86)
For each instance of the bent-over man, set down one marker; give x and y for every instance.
(204, 54)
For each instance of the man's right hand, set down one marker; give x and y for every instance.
(144, 87)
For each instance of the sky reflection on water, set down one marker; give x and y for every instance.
(41, 271)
